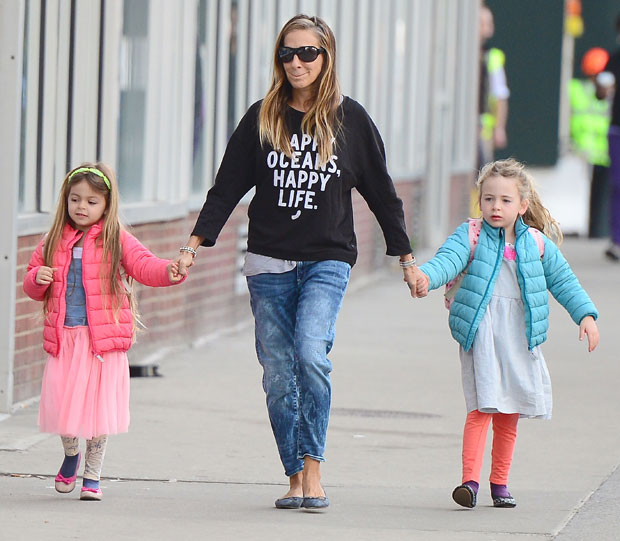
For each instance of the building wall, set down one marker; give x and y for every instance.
(154, 88)
(532, 40)
(211, 300)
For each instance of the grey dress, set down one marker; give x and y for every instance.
(499, 373)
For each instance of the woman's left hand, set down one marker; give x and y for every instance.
(416, 280)
(588, 326)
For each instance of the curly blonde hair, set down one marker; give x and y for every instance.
(321, 120)
(536, 215)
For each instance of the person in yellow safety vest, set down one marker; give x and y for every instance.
(493, 99)
(496, 110)
(589, 125)
(589, 122)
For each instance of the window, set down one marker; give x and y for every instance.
(29, 109)
(465, 90)
(204, 96)
(45, 99)
(133, 72)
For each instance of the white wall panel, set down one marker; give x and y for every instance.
(346, 44)
(286, 9)
(363, 51)
(180, 187)
(11, 45)
(85, 84)
(110, 93)
(389, 54)
(243, 37)
(49, 117)
(30, 111)
(307, 7)
(221, 92)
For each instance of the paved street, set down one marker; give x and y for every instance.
(199, 461)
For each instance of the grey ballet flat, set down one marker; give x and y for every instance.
(289, 503)
(315, 503)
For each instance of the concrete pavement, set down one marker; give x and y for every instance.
(199, 461)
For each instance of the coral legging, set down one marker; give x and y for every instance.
(474, 439)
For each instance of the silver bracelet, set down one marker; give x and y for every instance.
(188, 249)
(407, 264)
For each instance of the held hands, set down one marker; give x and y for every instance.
(422, 285)
(173, 271)
(416, 280)
(45, 275)
(183, 262)
(588, 326)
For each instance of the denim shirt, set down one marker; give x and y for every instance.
(75, 297)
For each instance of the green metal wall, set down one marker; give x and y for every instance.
(530, 33)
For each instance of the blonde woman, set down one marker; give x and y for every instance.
(304, 147)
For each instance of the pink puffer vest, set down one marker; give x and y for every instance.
(106, 335)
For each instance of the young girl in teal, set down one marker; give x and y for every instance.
(499, 316)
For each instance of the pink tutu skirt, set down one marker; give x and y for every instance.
(80, 395)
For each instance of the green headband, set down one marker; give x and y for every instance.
(90, 170)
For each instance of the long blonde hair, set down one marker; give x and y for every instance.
(321, 120)
(109, 240)
(536, 215)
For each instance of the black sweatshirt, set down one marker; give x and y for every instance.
(300, 211)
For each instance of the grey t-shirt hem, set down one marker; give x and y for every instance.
(259, 264)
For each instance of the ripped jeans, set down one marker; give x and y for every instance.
(295, 316)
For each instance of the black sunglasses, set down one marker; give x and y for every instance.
(305, 54)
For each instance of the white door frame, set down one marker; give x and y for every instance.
(11, 49)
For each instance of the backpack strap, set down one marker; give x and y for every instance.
(475, 225)
(540, 242)
(473, 233)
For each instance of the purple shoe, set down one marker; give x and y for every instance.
(503, 501)
(501, 496)
(464, 495)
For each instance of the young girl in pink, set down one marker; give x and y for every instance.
(89, 319)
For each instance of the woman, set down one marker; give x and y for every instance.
(304, 148)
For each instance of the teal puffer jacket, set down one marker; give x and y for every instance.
(535, 276)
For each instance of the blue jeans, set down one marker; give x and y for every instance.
(295, 316)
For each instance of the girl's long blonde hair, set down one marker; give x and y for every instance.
(110, 239)
(321, 120)
(536, 215)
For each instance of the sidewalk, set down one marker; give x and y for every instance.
(200, 462)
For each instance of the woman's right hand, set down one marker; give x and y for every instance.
(184, 260)
(45, 275)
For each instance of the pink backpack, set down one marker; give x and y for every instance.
(475, 225)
